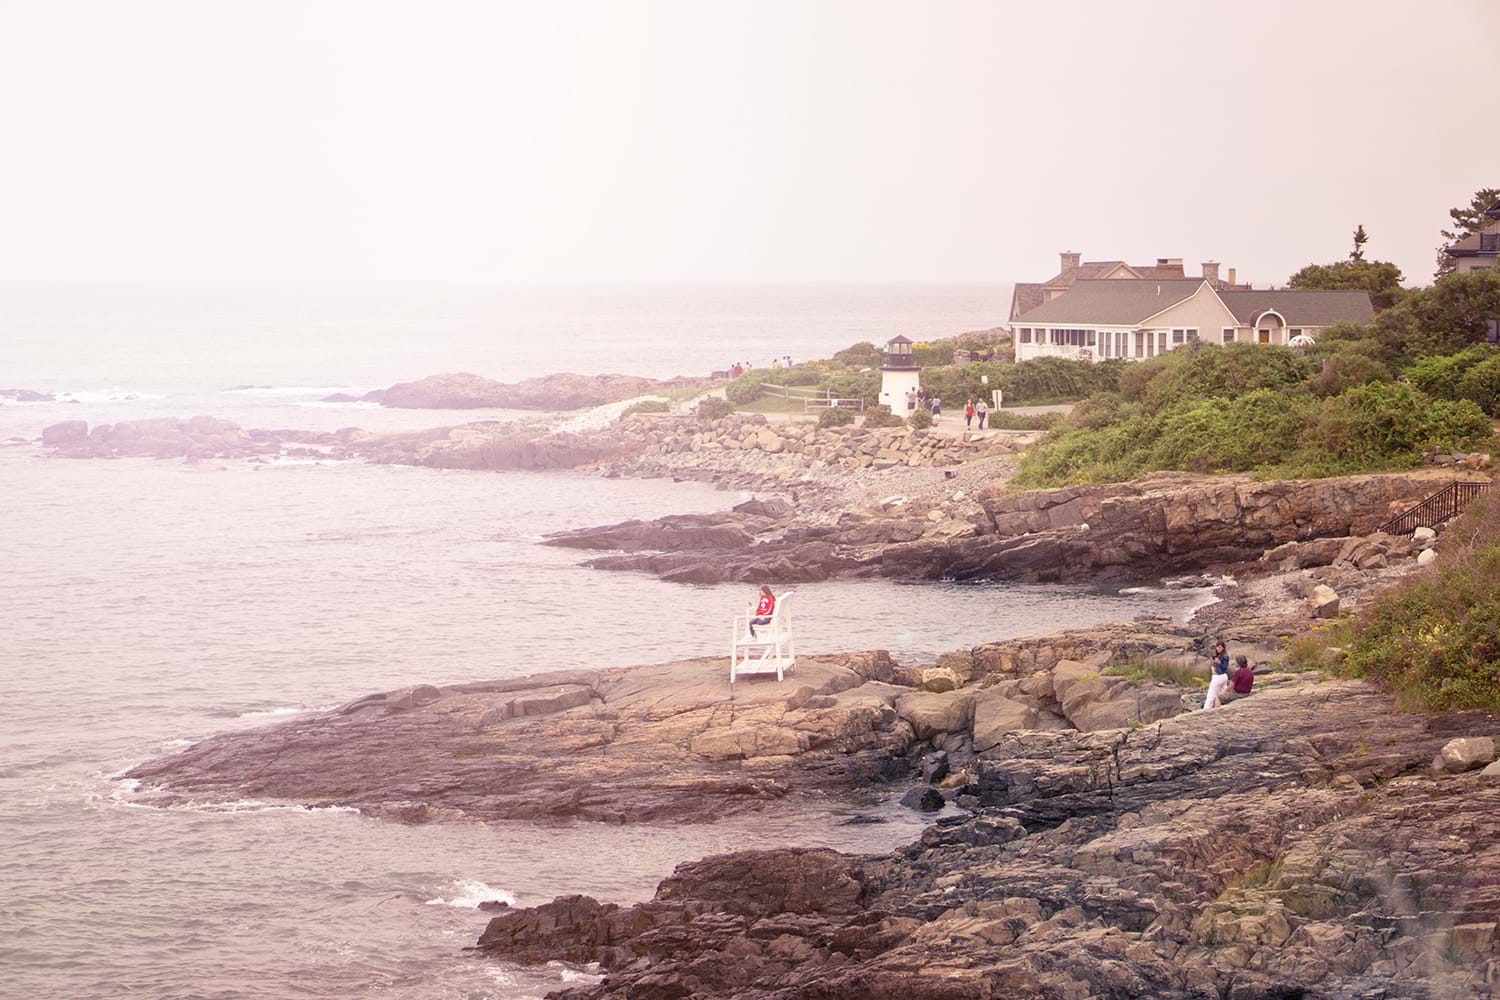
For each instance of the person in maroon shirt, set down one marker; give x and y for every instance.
(1243, 678)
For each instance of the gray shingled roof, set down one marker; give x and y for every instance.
(1469, 245)
(1112, 301)
(1301, 308)
(1027, 295)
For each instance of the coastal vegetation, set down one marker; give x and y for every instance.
(1419, 378)
(1434, 639)
(853, 373)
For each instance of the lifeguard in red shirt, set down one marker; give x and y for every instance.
(764, 609)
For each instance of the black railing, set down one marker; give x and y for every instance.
(1448, 502)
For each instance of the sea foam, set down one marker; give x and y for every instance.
(469, 893)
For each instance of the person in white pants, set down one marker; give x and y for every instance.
(1219, 679)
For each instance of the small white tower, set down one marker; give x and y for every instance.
(898, 375)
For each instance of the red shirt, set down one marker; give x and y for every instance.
(1244, 679)
(766, 606)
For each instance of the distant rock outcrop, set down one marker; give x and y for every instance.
(563, 391)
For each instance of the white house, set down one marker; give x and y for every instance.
(1098, 319)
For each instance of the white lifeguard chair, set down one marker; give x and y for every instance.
(773, 650)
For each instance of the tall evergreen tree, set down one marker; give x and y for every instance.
(1360, 239)
(1467, 220)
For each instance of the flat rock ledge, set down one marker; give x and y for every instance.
(1294, 844)
(671, 741)
(613, 745)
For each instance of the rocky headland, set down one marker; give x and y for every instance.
(561, 391)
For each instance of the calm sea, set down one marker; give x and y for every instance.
(145, 604)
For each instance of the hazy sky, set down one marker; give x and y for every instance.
(702, 140)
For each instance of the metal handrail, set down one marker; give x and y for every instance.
(1446, 503)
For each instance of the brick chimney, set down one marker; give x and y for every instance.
(1070, 259)
(1232, 280)
(1210, 270)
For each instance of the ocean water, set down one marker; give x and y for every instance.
(145, 604)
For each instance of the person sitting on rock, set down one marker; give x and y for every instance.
(1219, 678)
(764, 608)
(1243, 680)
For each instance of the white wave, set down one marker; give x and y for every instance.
(281, 710)
(469, 893)
(177, 744)
(590, 973)
(298, 390)
(115, 395)
(239, 806)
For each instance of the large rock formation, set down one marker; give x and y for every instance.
(1161, 525)
(619, 745)
(1292, 844)
(564, 391)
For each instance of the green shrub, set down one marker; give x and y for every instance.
(714, 408)
(836, 416)
(1345, 370)
(861, 355)
(1040, 380)
(881, 416)
(1439, 375)
(855, 385)
(1101, 410)
(919, 419)
(1210, 371)
(1435, 640)
(935, 352)
(1380, 425)
(1005, 420)
(647, 406)
(1481, 385)
(745, 389)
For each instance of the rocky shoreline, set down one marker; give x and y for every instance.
(1161, 525)
(1110, 841)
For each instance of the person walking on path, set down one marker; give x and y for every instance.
(981, 411)
(911, 399)
(765, 607)
(937, 407)
(1219, 678)
(969, 415)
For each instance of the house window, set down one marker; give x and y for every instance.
(1177, 336)
(1088, 338)
(1489, 242)
(1025, 335)
(1140, 343)
(1229, 335)
(1192, 335)
(1295, 332)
